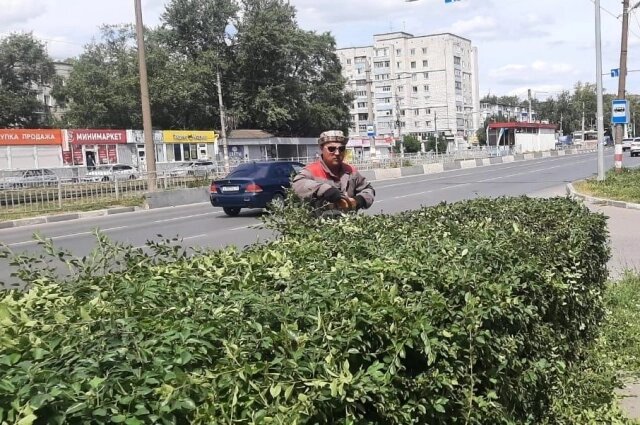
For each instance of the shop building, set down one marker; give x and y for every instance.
(87, 147)
(24, 149)
(522, 137)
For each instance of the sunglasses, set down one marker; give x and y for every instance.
(340, 149)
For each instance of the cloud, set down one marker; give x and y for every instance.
(536, 72)
(17, 12)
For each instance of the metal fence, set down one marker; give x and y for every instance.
(70, 188)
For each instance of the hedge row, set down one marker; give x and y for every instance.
(462, 313)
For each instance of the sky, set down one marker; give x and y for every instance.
(543, 45)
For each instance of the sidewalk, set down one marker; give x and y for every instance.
(624, 233)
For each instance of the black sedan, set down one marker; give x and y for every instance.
(253, 185)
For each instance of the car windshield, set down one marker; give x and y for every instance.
(249, 170)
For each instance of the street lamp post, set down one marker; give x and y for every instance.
(600, 107)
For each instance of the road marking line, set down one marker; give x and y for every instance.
(112, 228)
(242, 227)
(167, 220)
(194, 237)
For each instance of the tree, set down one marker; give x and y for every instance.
(442, 144)
(286, 80)
(411, 144)
(103, 89)
(24, 65)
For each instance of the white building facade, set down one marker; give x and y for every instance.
(418, 85)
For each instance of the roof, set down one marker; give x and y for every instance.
(249, 134)
(495, 125)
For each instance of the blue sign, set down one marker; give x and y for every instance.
(371, 131)
(615, 72)
(619, 111)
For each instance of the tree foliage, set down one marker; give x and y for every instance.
(411, 144)
(24, 64)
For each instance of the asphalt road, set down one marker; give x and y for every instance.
(201, 225)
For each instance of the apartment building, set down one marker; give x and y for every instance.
(50, 107)
(415, 85)
(504, 112)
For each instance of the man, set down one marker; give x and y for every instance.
(331, 184)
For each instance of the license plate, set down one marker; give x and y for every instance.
(230, 188)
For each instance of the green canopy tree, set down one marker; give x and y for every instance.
(411, 144)
(103, 89)
(24, 64)
(286, 80)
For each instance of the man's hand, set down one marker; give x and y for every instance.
(346, 204)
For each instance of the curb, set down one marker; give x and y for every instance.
(65, 217)
(371, 175)
(571, 192)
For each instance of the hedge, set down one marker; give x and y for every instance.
(462, 313)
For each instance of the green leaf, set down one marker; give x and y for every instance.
(274, 390)
(27, 420)
(118, 419)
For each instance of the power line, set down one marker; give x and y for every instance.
(616, 17)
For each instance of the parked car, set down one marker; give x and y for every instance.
(30, 178)
(634, 149)
(626, 143)
(194, 168)
(253, 185)
(105, 173)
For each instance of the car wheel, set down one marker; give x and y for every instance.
(105, 179)
(231, 211)
(277, 200)
(132, 177)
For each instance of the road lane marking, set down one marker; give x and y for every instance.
(194, 237)
(70, 235)
(168, 220)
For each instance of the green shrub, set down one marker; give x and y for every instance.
(463, 313)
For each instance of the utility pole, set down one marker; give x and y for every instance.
(435, 127)
(622, 81)
(529, 97)
(600, 106)
(371, 121)
(147, 129)
(399, 123)
(223, 129)
(583, 124)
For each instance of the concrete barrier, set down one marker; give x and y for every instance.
(528, 156)
(433, 168)
(495, 160)
(469, 163)
(455, 165)
(416, 170)
(388, 173)
(518, 157)
(507, 159)
(172, 198)
(546, 154)
(561, 153)
(368, 174)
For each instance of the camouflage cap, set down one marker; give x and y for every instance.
(332, 136)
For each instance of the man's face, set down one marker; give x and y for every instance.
(333, 153)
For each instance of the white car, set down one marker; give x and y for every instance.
(195, 168)
(634, 149)
(105, 173)
(30, 178)
(626, 143)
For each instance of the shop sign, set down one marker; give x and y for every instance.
(184, 136)
(112, 154)
(137, 136)
(21, 137)
(93, 137)
(67, 158)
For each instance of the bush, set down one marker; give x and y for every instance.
(463, 313)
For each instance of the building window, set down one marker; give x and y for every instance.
(416, 124)
(361, 93)
(398, 52)
(400, 89)
(413, 64)
(456, 60)
(416, 111)
(426, 87)
(398, 65)
(415, 89)
(363, 117)
(386, 100)
(414, 77)
(424, 50)
(428, 123)
(348, 61)
(362, 104)
(425, 63)
(413, 52)
(386, 88)
(425, 75)
(428, 111)
(458, 85)
(362, 127)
